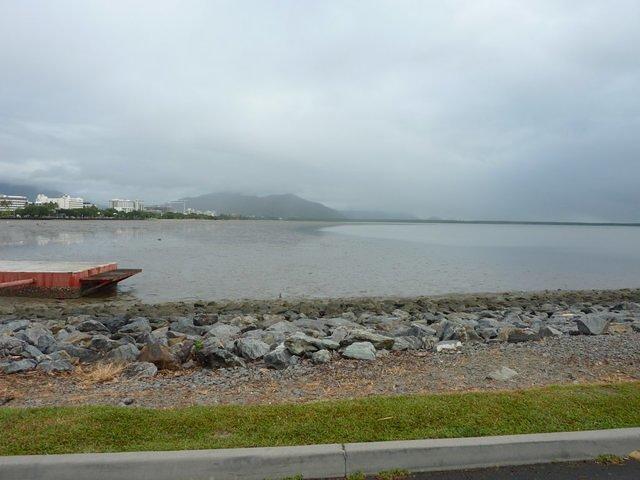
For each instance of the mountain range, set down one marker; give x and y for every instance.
(286, 206)
(28, 191)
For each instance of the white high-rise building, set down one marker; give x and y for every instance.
(10, 203)
(122, 205)
(64, 202)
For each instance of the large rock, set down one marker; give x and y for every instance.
(17, 366)
(361, 335)
(420, 329)
(11, 346)
(102, 343)
(32, 352)
(223, 331)
(279, 357)
(55, 365)
(593, 324)
(136, 326)
(321, 356)
(14, 326)
(160, 355)
(85, 355)
(502, 374)
(448, 346)
(185, 325)
(300, 343)
(268, 320)
(211, 354)
(92, 326)
(549, 331)
(39, 337)
(517, 335)
(360, 351)
(124, 354)
(407, 343)
(243, 321)
(340, 322)
(252, 348)
(282, 327)
(139, 370)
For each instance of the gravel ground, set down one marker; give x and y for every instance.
(562, 360)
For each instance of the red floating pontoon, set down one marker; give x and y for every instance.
(58, 279)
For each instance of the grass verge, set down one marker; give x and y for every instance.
(112, 429)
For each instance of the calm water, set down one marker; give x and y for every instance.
(243, 259)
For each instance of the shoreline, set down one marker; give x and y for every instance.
(122, 303)
(57, 353)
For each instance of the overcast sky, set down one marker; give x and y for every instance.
(461, 109)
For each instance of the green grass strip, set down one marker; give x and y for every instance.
(116, 429)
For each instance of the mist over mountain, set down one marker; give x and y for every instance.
(28, 191)
(376, 215)
(270, 206)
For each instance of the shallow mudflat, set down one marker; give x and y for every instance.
(70, 353)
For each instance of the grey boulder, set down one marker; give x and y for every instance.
(279, 357)
(593, 324)
(321, 356)
(52, 365)
(360, 351)
(252, 348)
(139, 370)
(502, 374)
(17, 366)
(136, 326)
(363, 336)
(124, 353)
(39, 337)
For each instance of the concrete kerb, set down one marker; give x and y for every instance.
(466, 453)
(325, 461)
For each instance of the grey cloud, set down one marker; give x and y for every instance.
(466, 109)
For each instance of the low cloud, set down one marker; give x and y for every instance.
(469, 109)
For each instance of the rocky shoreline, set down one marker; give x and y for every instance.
(241, 343)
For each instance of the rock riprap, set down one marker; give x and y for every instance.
(157, 338)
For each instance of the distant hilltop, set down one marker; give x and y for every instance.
(29, 191)
(286, 206)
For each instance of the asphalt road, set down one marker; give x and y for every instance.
(555, 471)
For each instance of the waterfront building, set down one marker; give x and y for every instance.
(10, 203)
(64, 202)
(211, 213)
(122, 205)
